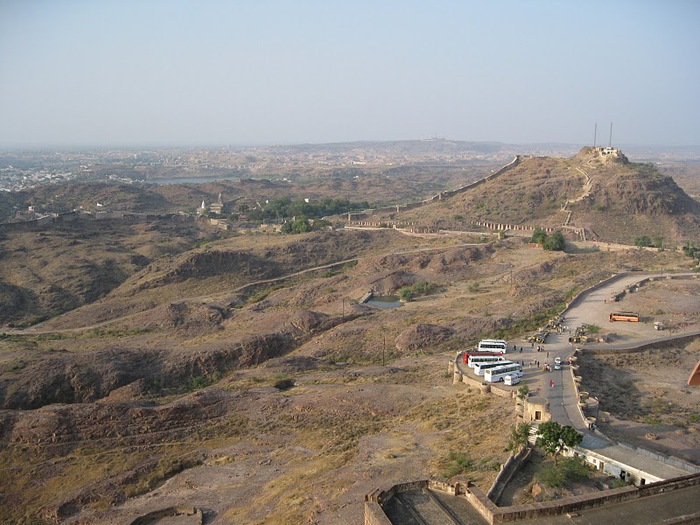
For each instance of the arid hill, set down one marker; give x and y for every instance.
(51, 268)
(243, 369)
(614, 199)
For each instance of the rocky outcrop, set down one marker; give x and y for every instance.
(193, 317)
(209, 264)
(650, 194)
(69, 378)
(421, 336)
(306, 321)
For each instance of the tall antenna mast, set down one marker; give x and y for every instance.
(610, 143)
(595, 133)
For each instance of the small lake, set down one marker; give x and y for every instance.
(384, 301)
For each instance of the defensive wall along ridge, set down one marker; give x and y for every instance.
(362, 215)
(615, 458)
(362, 219)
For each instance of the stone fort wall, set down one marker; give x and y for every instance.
(374, 514)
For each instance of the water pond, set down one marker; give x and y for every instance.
(384, 301)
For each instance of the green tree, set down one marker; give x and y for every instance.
(553, 438)
(690, 250)
(538, 236)
(519, 435)
(554, 242)
(423, 287)
(642, 241)
(298, 225)
(406, 294)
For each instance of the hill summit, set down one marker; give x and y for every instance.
(598, 191)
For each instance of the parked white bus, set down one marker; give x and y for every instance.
(475, 360)
(493, 345)
(498, 373)
(480, 369)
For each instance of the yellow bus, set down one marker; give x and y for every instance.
(624, 316)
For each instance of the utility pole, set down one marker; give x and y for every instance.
(595, 134)
(610, 143)
(343, 308)
(383, 350)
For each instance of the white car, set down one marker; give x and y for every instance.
(557, 363)
(511, 380)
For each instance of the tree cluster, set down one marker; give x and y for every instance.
(285, 207)
(407, 293)
(644, 240)
(302, 225)
(553, 438)
(554, 242)
(692, 250)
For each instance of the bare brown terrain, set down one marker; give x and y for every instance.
(164, 362)
(647, 396)
(304, 436)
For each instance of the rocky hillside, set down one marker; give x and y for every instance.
(48, 269)
(614, 199)
(628, 200)
(205, 363)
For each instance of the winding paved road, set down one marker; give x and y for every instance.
(593, 308)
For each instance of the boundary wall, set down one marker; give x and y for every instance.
(443, 194)
(374, 513)
(485, 388)
(509, 469)
(512, 227)
(650, 345)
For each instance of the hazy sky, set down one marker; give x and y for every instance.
(269, 71)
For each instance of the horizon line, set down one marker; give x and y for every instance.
(223, 145)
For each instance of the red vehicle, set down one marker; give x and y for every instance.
(465, 355)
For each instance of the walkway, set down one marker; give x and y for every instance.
(592, 309)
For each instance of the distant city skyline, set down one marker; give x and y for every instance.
(214, 72)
